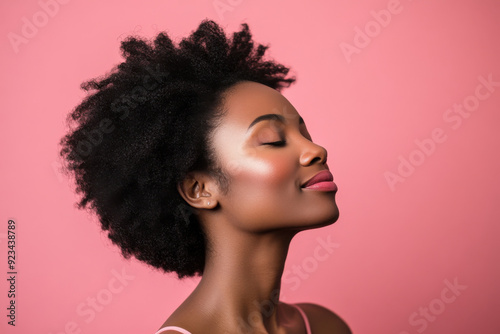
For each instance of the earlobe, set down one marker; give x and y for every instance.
(196, 191)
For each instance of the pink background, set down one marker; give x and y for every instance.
(395, 246)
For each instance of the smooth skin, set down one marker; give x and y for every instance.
(263, 147)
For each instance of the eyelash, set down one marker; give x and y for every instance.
(276, 143)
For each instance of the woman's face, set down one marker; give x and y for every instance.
(265, 151)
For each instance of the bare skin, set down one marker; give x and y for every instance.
(250, 224)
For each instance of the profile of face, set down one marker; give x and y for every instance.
(263, 147)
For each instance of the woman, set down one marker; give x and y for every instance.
(195, 163)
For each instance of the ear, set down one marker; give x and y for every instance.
(199, 190)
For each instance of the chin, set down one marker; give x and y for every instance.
(326, 220)
(330, 221)
(331, 218)
(324, 211)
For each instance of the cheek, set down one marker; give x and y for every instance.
(264, 179)
(261, 192)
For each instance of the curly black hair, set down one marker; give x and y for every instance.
(145, 125)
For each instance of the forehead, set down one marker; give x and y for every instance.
(248, 100)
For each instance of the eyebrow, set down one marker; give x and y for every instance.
(276, 117)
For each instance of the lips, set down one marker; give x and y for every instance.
(322, 181)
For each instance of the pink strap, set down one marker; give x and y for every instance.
(304, 316)
(183, 331)
(175, 328)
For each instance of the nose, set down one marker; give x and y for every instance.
(313, 153)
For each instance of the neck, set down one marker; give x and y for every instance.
(242, 277)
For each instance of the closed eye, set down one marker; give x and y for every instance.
(276, 143)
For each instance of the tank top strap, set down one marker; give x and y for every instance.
(175, 328)
(304, 316)
(183, 331)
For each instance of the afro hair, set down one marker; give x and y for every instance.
(144, 126)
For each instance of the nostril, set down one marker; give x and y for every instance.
(315, 160)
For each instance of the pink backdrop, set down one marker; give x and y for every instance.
(405, 96)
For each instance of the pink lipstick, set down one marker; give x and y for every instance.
(322, 181)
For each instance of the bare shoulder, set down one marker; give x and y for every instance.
(323, 320)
